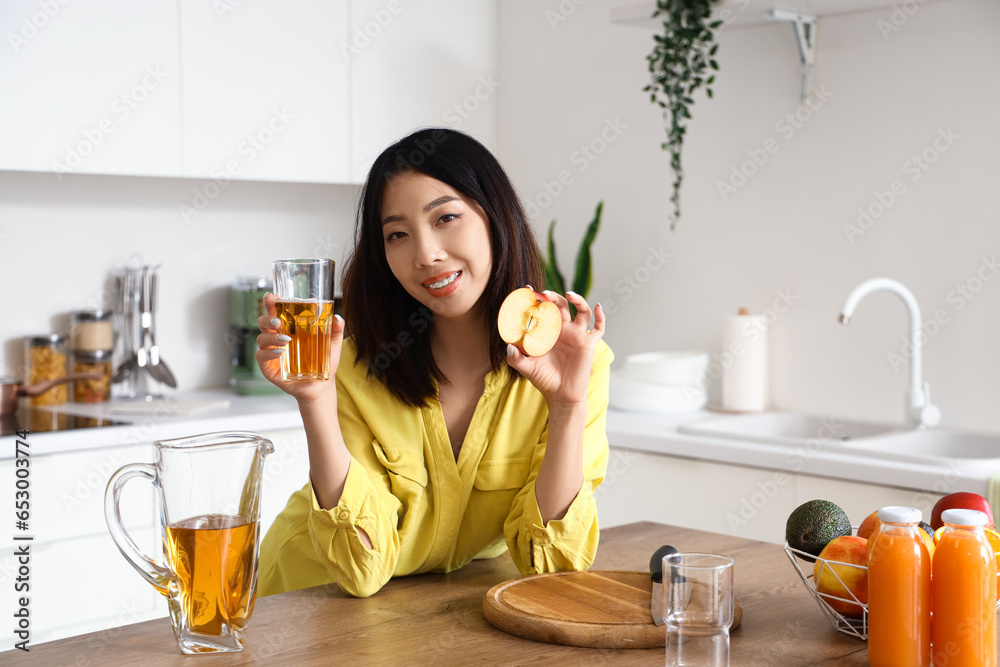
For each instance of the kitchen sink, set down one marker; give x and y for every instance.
(886, 441)
(787, 428)
(933, 445)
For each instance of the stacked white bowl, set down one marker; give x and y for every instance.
(660, 382)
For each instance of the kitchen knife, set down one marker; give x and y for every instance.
(656, 574)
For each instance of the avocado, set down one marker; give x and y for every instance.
(812, 525)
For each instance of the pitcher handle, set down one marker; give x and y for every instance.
(152, 571)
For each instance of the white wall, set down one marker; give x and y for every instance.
(59, 242)
(784, 229)
(559, 89)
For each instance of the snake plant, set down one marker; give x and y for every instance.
(583, 277)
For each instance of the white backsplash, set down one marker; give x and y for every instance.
(60, 240)
(780, 235)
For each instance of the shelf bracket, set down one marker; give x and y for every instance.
(805, 36)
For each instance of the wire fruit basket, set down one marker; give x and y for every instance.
(854, 623)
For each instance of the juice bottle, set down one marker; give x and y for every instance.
(964, 593)
(899, 592)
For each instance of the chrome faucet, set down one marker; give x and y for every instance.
(920, 412)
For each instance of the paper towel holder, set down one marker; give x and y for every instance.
(745, 379)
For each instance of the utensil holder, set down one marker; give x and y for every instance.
(133, 380)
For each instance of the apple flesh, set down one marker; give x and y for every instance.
(529, 321)
(852, 570)
(962, 500)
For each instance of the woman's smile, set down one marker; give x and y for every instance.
(443, 284)
(437, 243)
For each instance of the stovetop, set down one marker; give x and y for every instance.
(40, 420)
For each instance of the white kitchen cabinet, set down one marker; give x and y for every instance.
(690, 493)
(285, 471)
(736, 500)
(90, 87)
(67, 493)
(303, 90)
(81, 585)
(416, 65)
(79, 581)
(265, 92)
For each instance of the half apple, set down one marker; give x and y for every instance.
(529, 321)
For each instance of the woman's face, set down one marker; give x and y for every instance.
(437, 243)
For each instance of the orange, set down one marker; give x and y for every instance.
(994, 539)
(929, 541)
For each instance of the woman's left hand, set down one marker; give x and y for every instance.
(562, 374)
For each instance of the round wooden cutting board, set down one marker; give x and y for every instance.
(596, 609)
(601, 609)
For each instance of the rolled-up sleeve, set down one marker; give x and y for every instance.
(360, 571)
(568, 543)
(366, 503)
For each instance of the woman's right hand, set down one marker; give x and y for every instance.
(272, 344)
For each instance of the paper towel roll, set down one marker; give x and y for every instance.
(745, 380)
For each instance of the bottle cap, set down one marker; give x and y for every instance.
(964, 517)
(895, 514)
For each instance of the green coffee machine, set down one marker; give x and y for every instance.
(246, 304)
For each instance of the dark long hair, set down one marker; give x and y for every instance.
(391, 329)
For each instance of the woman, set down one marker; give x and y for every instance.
(437, 443)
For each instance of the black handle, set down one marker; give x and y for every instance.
(656, 562)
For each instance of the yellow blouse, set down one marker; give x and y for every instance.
(423, 510)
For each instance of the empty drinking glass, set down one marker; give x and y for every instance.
(698, 606)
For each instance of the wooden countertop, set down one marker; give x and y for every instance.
(438, 619)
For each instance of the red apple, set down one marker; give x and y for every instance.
(869, 525)
(962, 500)
(529, 321)
(852, 571)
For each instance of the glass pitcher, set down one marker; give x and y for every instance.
(209, 492)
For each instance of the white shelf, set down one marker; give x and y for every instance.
(747, 13)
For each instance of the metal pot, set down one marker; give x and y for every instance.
(11, 388)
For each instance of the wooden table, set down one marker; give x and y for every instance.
(438, 619)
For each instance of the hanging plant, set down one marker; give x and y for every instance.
(681, 62)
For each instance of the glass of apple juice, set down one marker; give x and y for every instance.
(303, 290)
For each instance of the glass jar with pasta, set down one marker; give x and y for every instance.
(97, 389)
(45, 359)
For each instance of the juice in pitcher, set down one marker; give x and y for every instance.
(964, 593)
(899, 591)
(214, 557)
